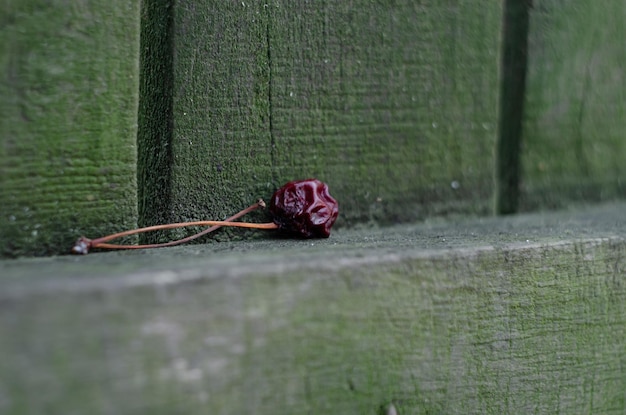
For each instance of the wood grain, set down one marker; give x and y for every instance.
(574, 147)
(221, 146)
(68, 99)
(393, 104)
(515, 315)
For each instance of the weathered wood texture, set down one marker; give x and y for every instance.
(221, 146)
(68, 105)
(574, 147)
(523, 315)
(392, 103)
(155, 112)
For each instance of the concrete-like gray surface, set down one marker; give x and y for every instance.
(345, 248)
(522, 314)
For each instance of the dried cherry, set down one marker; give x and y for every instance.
(304, 208)
(301, 207)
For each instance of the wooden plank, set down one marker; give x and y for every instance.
(518, 315)
(221, 147)
(155, 115)
(574, 148)
(68, 99)
(394, 104)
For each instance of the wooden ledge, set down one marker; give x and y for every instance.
(504, 315)
(344, 249)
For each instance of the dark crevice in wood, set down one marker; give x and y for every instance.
(269, 96)
(155, 118)
(579, 147)
(511, 108)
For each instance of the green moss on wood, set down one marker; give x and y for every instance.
(394, 105)
(155, 116)
(68, 99)
(523, 315)
(574, 147)
(221, 145)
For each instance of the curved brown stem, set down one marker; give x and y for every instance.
(101, 242)
(83, 245)
(259, 204)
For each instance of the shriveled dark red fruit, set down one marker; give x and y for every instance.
(304, 208)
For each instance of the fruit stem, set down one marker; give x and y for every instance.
(83, 245)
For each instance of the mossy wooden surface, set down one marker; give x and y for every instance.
(516, 315)
(68, 99)
(574, 147)
(221, 146)
(392, 103)
(154, 132)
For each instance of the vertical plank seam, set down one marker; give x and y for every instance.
(584, 93)
(511, 107)
(270, 103)
(155, 114)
